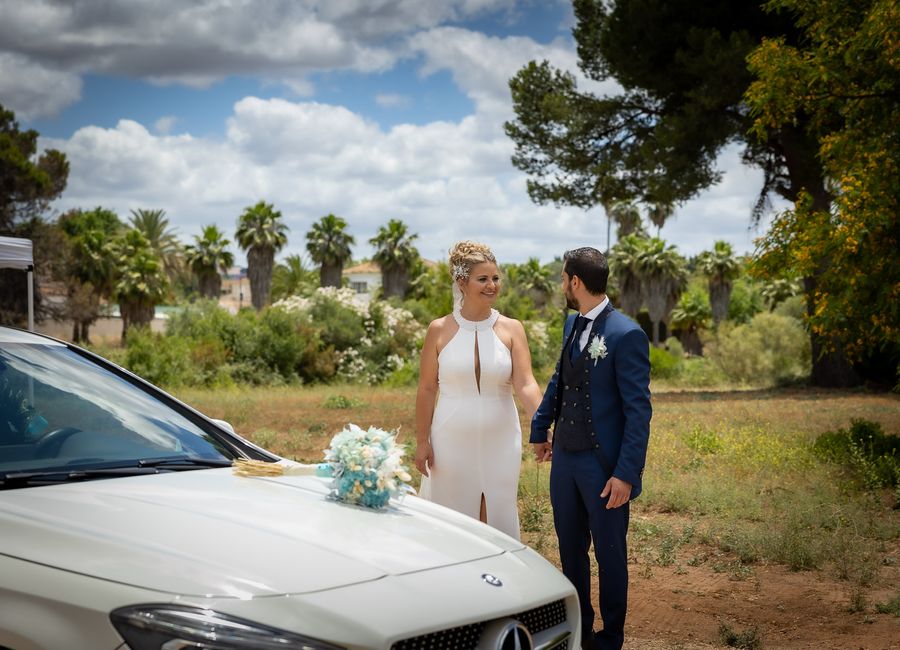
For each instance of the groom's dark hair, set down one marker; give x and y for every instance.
(590, 265)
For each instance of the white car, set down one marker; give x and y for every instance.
(122, 525)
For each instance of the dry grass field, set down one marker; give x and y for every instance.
(742, 538)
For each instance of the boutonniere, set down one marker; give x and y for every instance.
(597, 348)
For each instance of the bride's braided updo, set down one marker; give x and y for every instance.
(466, 254)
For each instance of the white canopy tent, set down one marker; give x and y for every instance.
(17, 253)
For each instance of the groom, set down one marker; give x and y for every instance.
(598, 402)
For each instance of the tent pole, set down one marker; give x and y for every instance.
(30, 297)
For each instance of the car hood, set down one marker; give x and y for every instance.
(209, 533)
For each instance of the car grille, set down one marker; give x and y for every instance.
(465, 637)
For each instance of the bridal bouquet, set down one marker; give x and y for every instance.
(365, 466)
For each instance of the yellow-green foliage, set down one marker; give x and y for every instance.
(769, 349)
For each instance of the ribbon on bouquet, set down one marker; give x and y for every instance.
(248, 468)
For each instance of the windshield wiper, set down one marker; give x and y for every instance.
(183, 462)
(48, 477)
(143, 467)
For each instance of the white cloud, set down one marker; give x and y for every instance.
(199, 43)
(309, 159)
(447, 180)
(32, 90)
(482, 65)
(392, 100)
(165, 124)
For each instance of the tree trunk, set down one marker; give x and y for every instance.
(719, 297)
(330, 275)
(630, 295)
(394, 282)
(85, 332)
(829, 369)
(259, 269)
(210, 284)
(656, 333)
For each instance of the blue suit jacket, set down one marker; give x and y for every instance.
(620, 396)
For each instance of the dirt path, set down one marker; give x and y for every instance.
(684, 608)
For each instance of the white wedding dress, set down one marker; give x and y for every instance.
(475, 432)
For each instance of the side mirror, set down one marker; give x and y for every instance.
(224, 424)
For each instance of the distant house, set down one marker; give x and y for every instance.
(364, 279)
(235, 289)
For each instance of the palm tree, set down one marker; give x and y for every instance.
(261, 233)
(395, 254)
(721, 267)
(691, 315)
(663, 278)
(329, 245)
(89, 265)
(623, 260)
(209, 259)
(659, 213)
(141, 281)
(535, 279)
(292, 278)
(628, 220)
(778, 290)
(154, 225)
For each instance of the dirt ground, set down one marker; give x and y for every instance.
(788, 609)
(682, 607)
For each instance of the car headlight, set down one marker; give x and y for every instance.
(176, 627)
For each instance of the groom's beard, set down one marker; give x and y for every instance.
(571, 302)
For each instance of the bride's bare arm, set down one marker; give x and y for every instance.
(426, 396)
(522, 376)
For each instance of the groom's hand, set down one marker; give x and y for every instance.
(619, 492)
(542, 451)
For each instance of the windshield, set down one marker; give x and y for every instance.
(59, 411)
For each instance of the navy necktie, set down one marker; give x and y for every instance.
(580, 323)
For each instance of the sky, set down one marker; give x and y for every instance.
(368, 109)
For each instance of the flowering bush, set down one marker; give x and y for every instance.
(368, 341)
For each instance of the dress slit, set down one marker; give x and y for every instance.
(477, 366)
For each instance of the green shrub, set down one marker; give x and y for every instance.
(663, 365)
(767, 350)
(703, 441)
(749, 639)
(159, 359)
(872, 455)
(674, 347)
(746, 301)
(701, 372)
(405, 375)
(340, 402)
(282, 341)
(793, 307)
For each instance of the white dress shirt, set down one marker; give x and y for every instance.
(592, 316)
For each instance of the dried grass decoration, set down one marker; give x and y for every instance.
(366, 467)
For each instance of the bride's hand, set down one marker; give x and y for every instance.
(424, 457)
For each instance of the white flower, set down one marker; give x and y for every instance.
(597, 348)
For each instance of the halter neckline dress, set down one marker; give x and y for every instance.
(475, 431)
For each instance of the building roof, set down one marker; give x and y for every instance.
(365, 267)
(372, 267)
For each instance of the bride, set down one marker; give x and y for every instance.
(469, 445)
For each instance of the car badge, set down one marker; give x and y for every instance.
(506, 634)
(492, 580)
